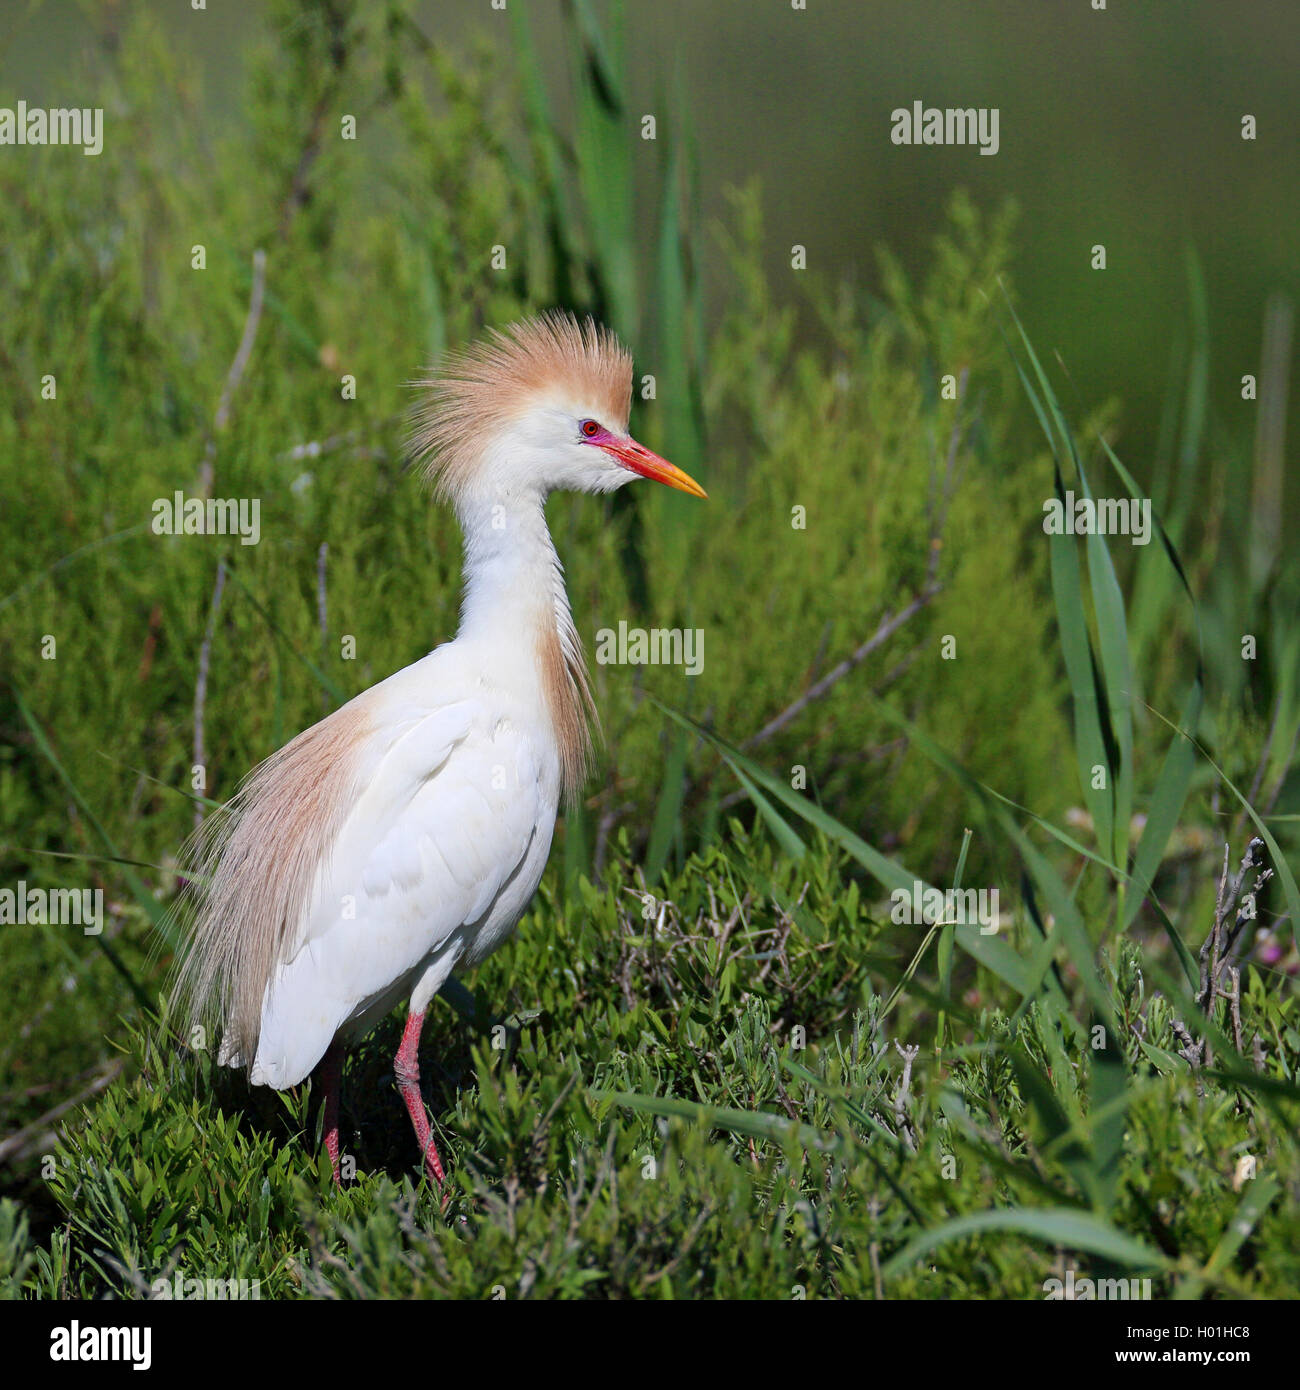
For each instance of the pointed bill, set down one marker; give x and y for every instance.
(641, 460)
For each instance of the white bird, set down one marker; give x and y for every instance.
(404, 835)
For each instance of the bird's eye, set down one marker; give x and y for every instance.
(589, 428)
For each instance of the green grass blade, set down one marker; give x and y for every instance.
(1166, 806)
(753, 1124)
(1095, 744)
(143, 897)
(1076, 1230)
(944, 953)
(1058, 898)
(1112, 640)
(1254, 1203)
(1108, 1105)
(665, 830)
(1093, 749)
(784, 833)
(988, 951)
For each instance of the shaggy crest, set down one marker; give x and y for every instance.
(472, 393)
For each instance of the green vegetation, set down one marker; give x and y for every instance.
(711, 1063)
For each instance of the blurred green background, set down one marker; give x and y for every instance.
(1119, 127)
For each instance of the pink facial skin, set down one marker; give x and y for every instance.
(637, 458)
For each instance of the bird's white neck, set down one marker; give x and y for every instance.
(512, 576)
(515, 603)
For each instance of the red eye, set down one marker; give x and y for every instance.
(589, 428)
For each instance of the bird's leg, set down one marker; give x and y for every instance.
(331, 1074)
(406, 1068)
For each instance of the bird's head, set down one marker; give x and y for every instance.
(539, 406)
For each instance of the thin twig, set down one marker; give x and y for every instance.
(30, 1138)
(873, 1250)
(1216, 952)
(322, 611)
(909, 1055)
(299, 185)
(1252, 796)
(1283, 774)
(238, 365)
(890, 623)
(314, 448)
(201, 685)
(1234, 1006)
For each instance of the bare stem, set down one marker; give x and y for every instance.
(238, 366)
(201, 685)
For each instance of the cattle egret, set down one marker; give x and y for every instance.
(405, 834)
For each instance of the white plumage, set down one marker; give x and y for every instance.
(434, 864)
(405, 834)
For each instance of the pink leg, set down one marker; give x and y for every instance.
(331, 1073)
(406, 1068)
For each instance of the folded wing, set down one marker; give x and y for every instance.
(419, 864)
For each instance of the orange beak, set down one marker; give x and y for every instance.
(639, 459)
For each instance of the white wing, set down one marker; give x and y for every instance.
(429, 857)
